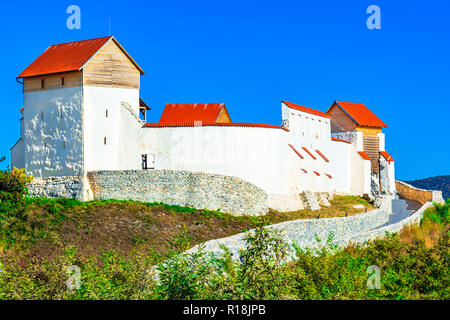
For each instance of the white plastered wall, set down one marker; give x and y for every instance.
(313, 133)
(52, 131)
(98, 126)
(257, 155)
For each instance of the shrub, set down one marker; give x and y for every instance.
(13, 187)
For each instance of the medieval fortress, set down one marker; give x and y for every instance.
(87, 134)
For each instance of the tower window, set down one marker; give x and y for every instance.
(104, 140)
(106, 113)
(42, 83)
(62, 81)
(64, 144)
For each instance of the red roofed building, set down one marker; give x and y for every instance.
(349, 116)
(195, 112)
(83, 113)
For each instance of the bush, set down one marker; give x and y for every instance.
(13, 187)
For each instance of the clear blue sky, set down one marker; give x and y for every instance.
(253, 54)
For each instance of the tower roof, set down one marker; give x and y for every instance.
(360, 114)
(70, 56)
(191, 112)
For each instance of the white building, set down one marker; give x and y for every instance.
(82, 112)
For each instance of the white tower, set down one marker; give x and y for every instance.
(72, 96)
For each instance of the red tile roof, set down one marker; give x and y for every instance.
(318, 174)
(304, 170)
(305, 109)
(386, 155)
(295, 150)
(191, 112)
(341, 140)
(364, 155)
(214, 124)
(321, 154)
(328, 175)
(360, 114)
(68, 56)
(307, 151)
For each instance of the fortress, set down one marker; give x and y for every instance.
(85, 134)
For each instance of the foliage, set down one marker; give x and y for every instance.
(13, 188)
(439, 213)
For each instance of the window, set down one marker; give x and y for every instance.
(148, 161)
(42, 83)
(42, 115)
(106, 113)
(104, 140)
(62, 81)
(64, 144)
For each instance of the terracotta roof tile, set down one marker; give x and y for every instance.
(234, 124)
(328, 175)
(360, 114)
(341, 140)
(191, 112)
(386, 155)
(307, 151)
(68, 56)
(305, 109)
(364, 155)
(304, 170)
(317, 174)
(321, 154)
(295, 150)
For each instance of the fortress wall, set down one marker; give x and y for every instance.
(52, 132)
(184, 188)
(306, 232)
(57, 187)
(409, 192)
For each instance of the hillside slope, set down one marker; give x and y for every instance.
(434, 183)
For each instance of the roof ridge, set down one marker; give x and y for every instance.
(60, 44)
(305, 109)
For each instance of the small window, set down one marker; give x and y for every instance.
(106, 113)
(62, 81)
(104, 140)
(64, 144)
(148, 161)
(45, 144)
(42, 83)
(42, 115)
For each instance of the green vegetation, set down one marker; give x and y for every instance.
(42, 238)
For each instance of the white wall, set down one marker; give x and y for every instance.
(97, 126)
(257, 155)
(18, 154)
(52, 131)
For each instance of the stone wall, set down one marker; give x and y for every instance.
(409, 192)
(305, 232)
(184, 188)
(57, 187)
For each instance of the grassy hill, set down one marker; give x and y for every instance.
(51, 225)
(434, 183)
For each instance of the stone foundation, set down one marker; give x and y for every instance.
(57, 187)
(194, 189)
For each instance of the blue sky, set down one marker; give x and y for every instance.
(253, 54)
